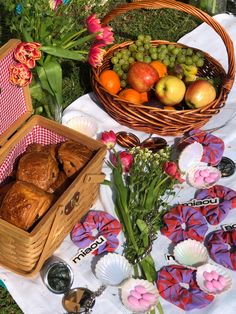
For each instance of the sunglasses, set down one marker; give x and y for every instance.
(129, 140)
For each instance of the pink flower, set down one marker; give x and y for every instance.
(125, 158)
(93, 24)
(27, 53)
(109, 139)
(171, 169)
(54, 4)
(20, 74)
(106, 36)
(96, 54)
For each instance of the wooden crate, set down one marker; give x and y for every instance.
(25, 252)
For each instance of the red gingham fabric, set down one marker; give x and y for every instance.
(12, 101)
(37, 135)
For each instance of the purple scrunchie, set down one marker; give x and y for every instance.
(169, 287)
(195, 224)
(222, 248)
(103, 224)
(215, 213)
(213, 146)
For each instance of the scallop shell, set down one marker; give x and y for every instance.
(202, 166)
(112, 269)
(210, 267)
(80, 122)
(190, 155)
(191, 253)
(130, 285)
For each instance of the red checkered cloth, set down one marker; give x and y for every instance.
(12, 100)
(37, 135)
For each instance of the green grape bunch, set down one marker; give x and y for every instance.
(143, 50)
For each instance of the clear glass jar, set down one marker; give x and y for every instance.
(212, 7)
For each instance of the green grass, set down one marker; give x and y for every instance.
(7, 304)
(160, 24)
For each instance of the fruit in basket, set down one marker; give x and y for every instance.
(160, 67)
(142, 76)
(131, 95)
(110, 81)
(199, 94)
(170, 90)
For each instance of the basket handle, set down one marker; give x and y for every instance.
(172, 4)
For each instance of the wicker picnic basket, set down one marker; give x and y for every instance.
(25, 252)
(149, 118)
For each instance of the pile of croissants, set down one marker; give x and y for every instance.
(41, 175)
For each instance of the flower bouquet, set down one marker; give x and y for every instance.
(143, 183)
(49, 36)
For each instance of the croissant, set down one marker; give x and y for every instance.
(60, 184)
(73, 156)
(39, 168)
(24, 203)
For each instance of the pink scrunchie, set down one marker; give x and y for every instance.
(103, 224)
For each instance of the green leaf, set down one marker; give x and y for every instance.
(63, 53)
(37, 93)
(143, 227)
(27, 36)
(43, 79)
(53, 72)
(80, 41)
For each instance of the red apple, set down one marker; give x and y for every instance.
(142, 76)
(170, 90)
(199, 94)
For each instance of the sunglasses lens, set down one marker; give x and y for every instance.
(154, 143)
(127, 140)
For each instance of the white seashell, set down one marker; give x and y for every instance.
(190, 155)
(202, 184)
(80, 122)
(208, 268)
(112, 269)
(129, 285)
(191, 253)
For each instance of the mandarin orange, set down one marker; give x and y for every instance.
(131, 95)
(160, 67)
(110, 81)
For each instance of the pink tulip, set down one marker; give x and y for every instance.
(171, 169)
(20, 74)
(106, 36)
(96, 54)
(26, 53)
(109, 139)
(93, 24)
(125, 158)
(54, 4)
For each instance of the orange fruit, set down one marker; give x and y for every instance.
(160, 67)
(169, 108)
(110, 81)
(131, 95)
(144, 97)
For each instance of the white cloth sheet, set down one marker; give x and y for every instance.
(31, 294)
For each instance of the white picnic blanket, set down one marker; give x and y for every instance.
(31, 294)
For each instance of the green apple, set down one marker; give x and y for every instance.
(199, 94)
(170, 90)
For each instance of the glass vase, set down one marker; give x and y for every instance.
(56, 110)
(212, 7)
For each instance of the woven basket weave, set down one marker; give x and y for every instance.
(151, 119)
